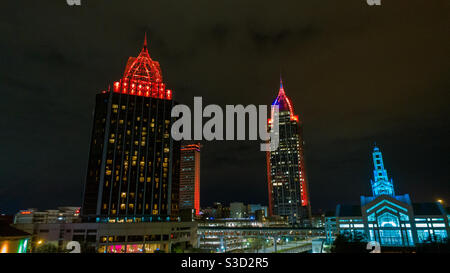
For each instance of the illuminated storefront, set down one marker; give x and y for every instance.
(134, 248)
(143, 237)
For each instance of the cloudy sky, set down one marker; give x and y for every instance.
(356, 75)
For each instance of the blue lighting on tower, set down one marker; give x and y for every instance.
(391, 220)
(381, 185)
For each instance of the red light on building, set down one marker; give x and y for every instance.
(143, 72)
(116, 86)
(190, 177)
(278, 179)
(134, 101)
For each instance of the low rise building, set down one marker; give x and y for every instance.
(13, 240)
(142, 237)
(238, 210)
(60, 215)
(391, 220)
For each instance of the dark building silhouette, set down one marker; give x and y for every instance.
(133, 168)
(190, 177)
(286, 171)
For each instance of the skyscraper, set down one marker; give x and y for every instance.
(190, 177)
(286, 173)
(133, 162)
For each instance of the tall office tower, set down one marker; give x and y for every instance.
(133, 162)
(190, 177)
(287, 182)
(381, 185)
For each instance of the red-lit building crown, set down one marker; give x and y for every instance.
(143, 77)
(284, 102)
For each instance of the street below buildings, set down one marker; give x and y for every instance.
(289, 247)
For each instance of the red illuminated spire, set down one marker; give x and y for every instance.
(143, 77)
(145, 42)
(143, 69)
(284, 102)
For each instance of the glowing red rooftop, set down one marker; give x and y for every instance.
(143, 77)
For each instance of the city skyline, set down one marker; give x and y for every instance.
(341, 83)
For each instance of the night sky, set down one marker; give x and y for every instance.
(356, 75)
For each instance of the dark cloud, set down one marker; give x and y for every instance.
(356, 75)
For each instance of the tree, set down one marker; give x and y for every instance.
(177, 248)
(433, 246)
(349, 243)
(256, 244)
(46, 248)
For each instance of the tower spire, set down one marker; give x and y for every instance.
(281, 82)
(283, 102)
(381, 185)
(145, 41)
(142, 70)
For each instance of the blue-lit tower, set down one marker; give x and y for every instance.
(381, 185)
(389, 219)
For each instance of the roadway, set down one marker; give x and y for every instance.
(289, 247)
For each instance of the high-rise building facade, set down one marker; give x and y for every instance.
(190, 177)
(133, 167)
(286, 172)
